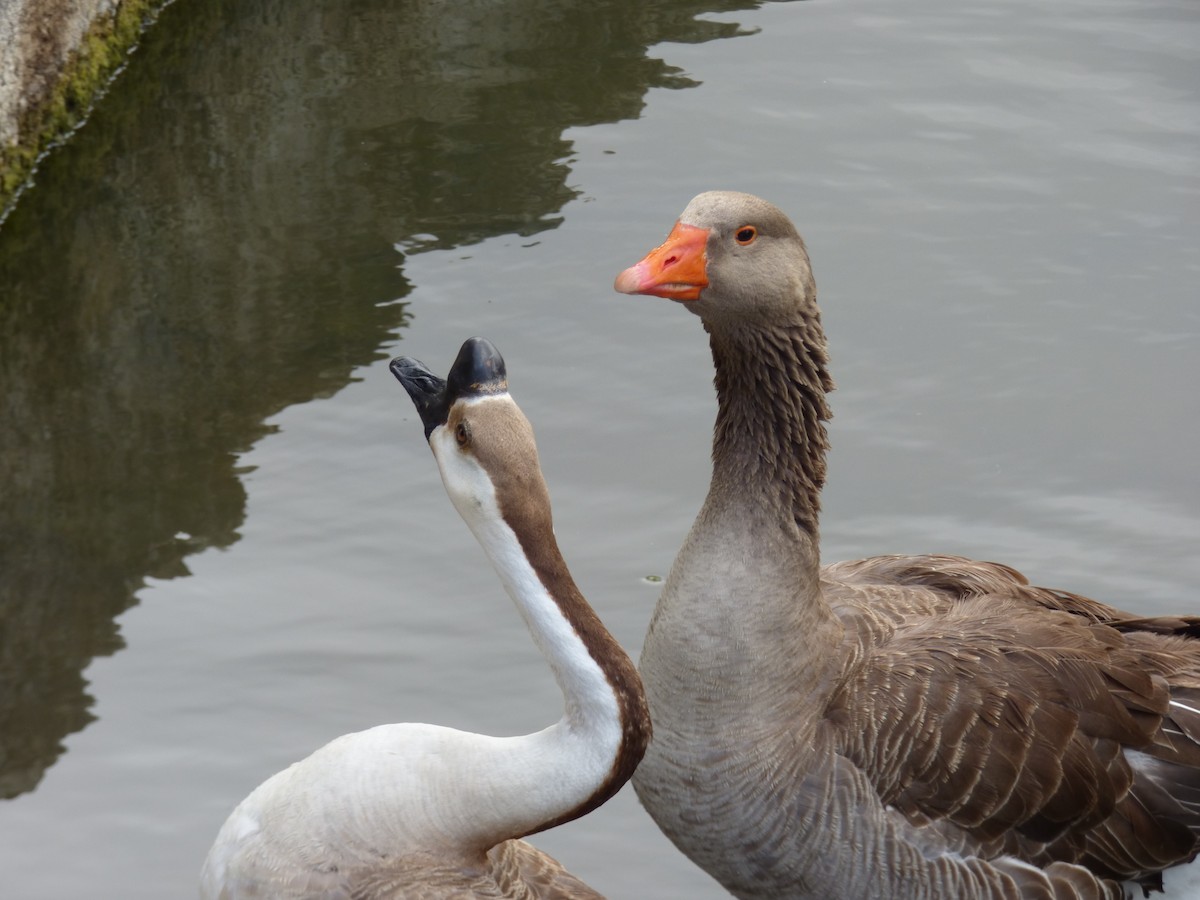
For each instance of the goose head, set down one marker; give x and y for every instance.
(732, 258)
(483, 444)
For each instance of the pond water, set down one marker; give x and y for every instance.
(223, 540)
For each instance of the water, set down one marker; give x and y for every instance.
(223, 539)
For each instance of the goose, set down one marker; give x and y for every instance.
(416, 810)
(895, 727)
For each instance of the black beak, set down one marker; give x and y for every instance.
(477, 371)
(428, 392)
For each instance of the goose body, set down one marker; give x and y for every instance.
(421, 811)
(895, 727)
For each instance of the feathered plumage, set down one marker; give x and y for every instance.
(895, 727)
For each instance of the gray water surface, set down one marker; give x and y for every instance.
(223, 540)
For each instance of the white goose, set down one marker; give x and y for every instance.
(895, 727)
(421, 811)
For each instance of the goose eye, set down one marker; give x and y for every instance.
(462, 434)
(746, 235)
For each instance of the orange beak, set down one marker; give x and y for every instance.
(676, 270)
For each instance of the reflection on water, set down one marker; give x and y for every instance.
(221, 242)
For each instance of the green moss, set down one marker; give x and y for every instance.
(89, 71)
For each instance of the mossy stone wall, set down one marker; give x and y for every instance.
(56, 58)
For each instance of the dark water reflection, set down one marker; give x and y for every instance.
(221, 242)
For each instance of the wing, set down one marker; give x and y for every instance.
(522, 870)
(512, 870)
(1041, 723)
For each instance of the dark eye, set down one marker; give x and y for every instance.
(746, 235)
(462, 434)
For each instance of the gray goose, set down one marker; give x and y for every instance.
(894, 727)
(421, 811)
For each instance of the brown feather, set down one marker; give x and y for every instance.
(512, 870)
(1027, 699)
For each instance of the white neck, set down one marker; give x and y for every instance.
(592, 710)
(518, 785)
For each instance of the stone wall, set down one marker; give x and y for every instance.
(56, 58)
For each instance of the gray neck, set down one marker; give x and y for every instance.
(747, 579)
(770, 436)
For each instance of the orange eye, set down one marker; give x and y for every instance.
(462, 434)
(746, 235)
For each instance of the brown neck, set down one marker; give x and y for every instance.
(618, 668)
(769, 438)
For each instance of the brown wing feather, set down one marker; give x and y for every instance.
(512, 870)
(977, 699)
(517, 864)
